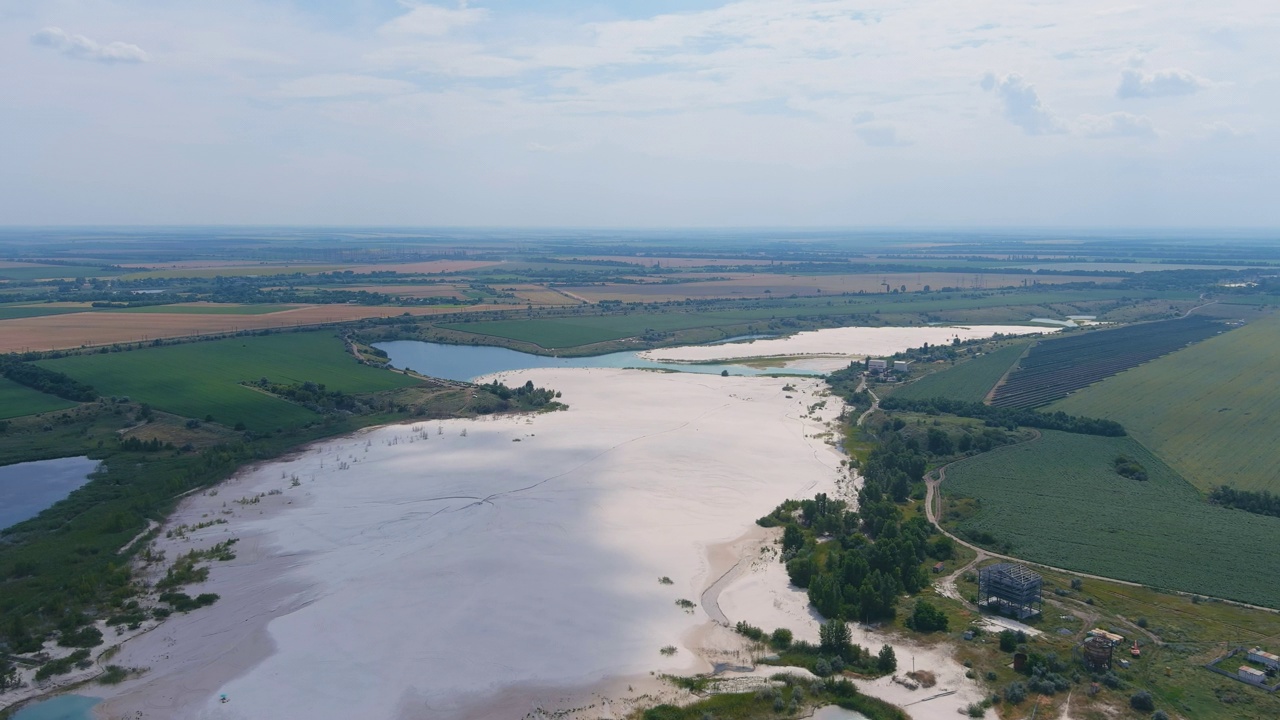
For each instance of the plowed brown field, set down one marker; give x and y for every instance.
(98, 328)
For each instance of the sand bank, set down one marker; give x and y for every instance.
(454, 569)
(849, 342)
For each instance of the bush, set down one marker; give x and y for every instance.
(1160, 715)
(85, 637)
(1142, 700)
(927, 618)
(780, 639)
(822, 668)
(1015, 693)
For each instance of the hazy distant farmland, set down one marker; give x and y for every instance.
(18, 400)
(202, 378)
(1058, 501)
(103, 328)
(13, 312)
(566, 332)
(14, 271)
(782, 285)
(206, 309)
(1210, 410)
(970, 380)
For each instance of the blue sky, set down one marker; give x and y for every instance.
(662, 113)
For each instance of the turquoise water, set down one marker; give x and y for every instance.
(467, 362)
(63, 707)
(29, 487)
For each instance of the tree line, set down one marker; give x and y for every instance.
(1009, 418)
(1259, 503)
(46, 381)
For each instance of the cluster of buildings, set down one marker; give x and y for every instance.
(1253, 675)
(884, 366)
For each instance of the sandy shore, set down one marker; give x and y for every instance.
(848, 342)
(507, 566)
(431, 571)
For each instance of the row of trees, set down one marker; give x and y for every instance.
(1009, 418)
(1261, 503)
(46, 381)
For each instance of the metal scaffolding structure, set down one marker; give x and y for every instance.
(1010, 589)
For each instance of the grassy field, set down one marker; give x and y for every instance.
(241, 271)
(207, 309)
(18, 400)
(970, 380)
(202, 378)
(49, 272)
(1202, 409)
(1058, 501)
(13, 312)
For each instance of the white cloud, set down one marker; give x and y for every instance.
(79, 46)
(1022, 105)
(434, 20)
(1222, 130)
(1136, 84)
(1117, 124)
(343, 85)
(879, 135)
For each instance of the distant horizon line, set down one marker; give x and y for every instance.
(666, 228)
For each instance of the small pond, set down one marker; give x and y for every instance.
(63, 707)
(29, 487)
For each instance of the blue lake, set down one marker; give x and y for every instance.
(467, 362)
(63, 707)
(29, 487)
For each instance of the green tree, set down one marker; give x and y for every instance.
(8, 675)
(792, 538)
(928, 618)
(834, 637)
(887, 661)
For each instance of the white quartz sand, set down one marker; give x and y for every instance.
(427, 574)
(497, 567)
(848, 342)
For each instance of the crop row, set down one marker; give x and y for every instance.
(1055, 368)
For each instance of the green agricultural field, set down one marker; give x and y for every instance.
(211, 309)
(50, 272)
(970, 380)
(241, 271)
(14, 312)
(18, 400)
(1211, 410)
(202, 378)
(1058, 501)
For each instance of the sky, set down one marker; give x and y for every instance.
(754, 113)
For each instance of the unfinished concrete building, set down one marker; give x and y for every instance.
(1010, 589)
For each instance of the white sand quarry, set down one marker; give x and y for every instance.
(849, 343)
(488, 568)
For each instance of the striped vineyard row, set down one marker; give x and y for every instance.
(1055, 368)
